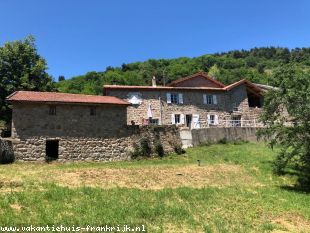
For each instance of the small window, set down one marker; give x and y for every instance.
(153, 121)
(174, 98)
(209, 99)
(177, 118)
(92, 111)
(52, 110)
(212, 119)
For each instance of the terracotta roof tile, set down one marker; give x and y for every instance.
(32, 96)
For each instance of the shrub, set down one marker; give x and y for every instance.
(6, 152)
(223, 141)
(145, 147)
(159, 149)
(136, 151)
(178, 149)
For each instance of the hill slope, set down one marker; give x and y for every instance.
(255, 65)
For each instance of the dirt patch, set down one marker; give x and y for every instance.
(291, 222)
(16, 207)
(156, 177)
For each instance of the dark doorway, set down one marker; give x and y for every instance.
(52, 149)
(188, 119)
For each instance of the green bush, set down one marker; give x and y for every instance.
(159, 149)
(223, 141)
(178, 149)
(136, 151)
(145, 147)
(6, 152)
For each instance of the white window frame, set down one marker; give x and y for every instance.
(177, 119)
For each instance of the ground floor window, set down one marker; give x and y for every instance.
(52, 149)
(177, 118)
(213, 119)
(153, 121)
(236, 121)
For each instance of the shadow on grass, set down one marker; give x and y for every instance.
(296, 188)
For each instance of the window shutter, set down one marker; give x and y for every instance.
(182, 119)
(180, 98)
(172, 119)
(214, 99)
(204, 98)
(216, 119)
(209, 119)
(196, 121)
(169, 98)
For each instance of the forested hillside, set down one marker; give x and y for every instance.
(256, 65)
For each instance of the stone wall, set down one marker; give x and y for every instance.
(97, 148)
(213, 135)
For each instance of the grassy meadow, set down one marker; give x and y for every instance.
(233, 190)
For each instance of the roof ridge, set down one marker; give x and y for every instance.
(201, 73)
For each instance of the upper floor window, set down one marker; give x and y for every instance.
(175, 98)
(92, 111)
(209, 99)
(52, 110)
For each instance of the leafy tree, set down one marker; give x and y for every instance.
(291, 130)
(21, 68)
(61, 78)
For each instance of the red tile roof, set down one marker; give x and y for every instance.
(161, 88)
(55, 97)
(199, 74)
(248, 84)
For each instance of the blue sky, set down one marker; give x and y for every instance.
(77, 36)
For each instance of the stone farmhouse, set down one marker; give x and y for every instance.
(84, 127)
(196, 101)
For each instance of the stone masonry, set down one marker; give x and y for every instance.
(103, 137)
(193, 103)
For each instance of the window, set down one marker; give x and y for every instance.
(92, 111)
(153, 121)
(177, 118)
(209, 99)
(174, 98)
(212, 119)
(52, 110)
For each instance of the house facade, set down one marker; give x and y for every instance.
(196, 101)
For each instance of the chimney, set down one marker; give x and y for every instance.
(154, 81)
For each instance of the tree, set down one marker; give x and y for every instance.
(61, 78)
(21, 68)
(287, 118)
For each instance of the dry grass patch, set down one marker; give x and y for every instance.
(291, 222)
(156, 177)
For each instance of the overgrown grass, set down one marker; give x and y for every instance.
(233, 190)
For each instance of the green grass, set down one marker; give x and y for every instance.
(234, 190)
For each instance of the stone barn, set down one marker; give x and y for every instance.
(68, 126)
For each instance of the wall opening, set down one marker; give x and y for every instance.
(52, 149)
(255, 101)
